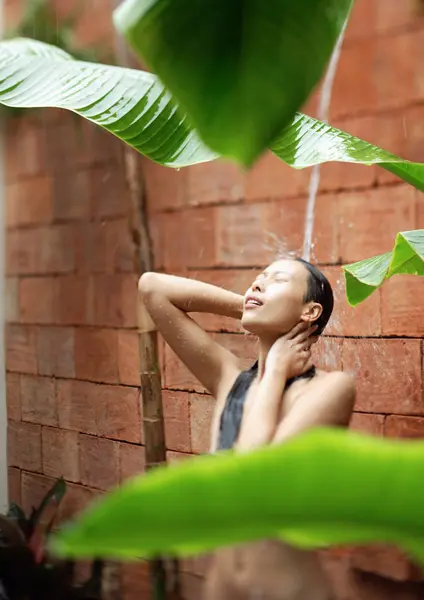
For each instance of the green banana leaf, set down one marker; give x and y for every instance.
(241, 67)
(407, 258)
(324, 487)
(134, 106)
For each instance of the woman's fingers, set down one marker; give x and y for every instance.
(297, 329)
(305, 334)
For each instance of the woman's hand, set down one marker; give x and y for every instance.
(291, 353)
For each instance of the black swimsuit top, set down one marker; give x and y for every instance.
(232, 413)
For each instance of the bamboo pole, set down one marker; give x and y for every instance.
(165, 584)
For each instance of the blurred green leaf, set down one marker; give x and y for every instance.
(365, 276)
(322, 488)
(240, 69)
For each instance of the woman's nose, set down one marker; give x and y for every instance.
(257, 287)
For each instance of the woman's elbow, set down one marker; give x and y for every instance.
(147, 284)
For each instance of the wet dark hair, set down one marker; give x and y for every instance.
(319, 290)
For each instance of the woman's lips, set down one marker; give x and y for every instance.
(253, 302)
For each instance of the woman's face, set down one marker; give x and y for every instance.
(275, 301)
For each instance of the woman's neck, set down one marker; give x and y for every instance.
(265, 345)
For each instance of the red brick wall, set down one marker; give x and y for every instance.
(73, 403)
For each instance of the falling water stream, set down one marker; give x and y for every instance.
(322, 115)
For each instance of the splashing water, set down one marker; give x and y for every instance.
(322, 115)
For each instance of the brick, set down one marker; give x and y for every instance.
(91, 32)
(244, 346)
(173, 457)
(176, 416)
(93, 144)
(283, 228)
(24, 446)
(198, 566)
(75, 300)
(387, 374)
(132, 461)
(349, 98)
(400, 132)
(23, 251)
(57, 251)
(129, 300)
(96, 355)
(201, 418)
(396, 15)
(391, 80)
(271, 179)
(29, 201)
(368, 423)
(21, 349)
(372, 17)
(257, 234)
(25, 156)
(71, 194)
(77, 405)
(108, 189)
(368, 226)
(55, 346)
(386, 561)
(115, 300)
(136, 580)
(34, 488)
(39, 400)
(60, 453)
(128, 358)
(13, 396)
(14, 485)
(99, 462)
(41, 250)
(214, 182)
(118, 413)
(191, 586)
(165, 187)
(76, 500)
(404, 427)
(12, 12)
(63, 142)
(177, 376)
(327, 353)
(326, 230)
(184, 239)
(400, 310)
(361, 320)
(103, 410)
(104, 247)
(11, 299)
(38, 300)
(341, 175)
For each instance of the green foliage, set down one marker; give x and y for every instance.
(134, 106)
(321, 488)
(242, 67)
(26, 570)
(365, 276)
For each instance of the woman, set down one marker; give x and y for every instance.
(287, 307)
